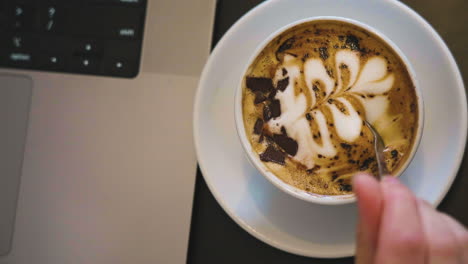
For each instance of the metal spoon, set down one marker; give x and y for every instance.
(379, 151)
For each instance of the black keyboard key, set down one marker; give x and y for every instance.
(4, 19)
(52, 18)
(51, 61)
(122, 49)
(119, 2)
(120, 67)
(19, 41)
(107, 22)
(61, 45)
(87, 47)
(85, 64)
(19, 58)
(20, 16)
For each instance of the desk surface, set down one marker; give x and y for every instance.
(215, 238)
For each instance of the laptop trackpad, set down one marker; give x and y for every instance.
(15, 97)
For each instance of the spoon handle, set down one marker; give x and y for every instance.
(379, 147)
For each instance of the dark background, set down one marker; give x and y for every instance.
(216, 238)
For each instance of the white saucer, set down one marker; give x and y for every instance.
(289, 223)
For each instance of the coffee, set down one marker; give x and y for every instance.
(305, 98)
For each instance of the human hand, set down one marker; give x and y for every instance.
(396, 227)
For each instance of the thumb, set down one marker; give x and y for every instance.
(369, 199)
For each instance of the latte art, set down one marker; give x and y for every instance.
(305, 98)
(369, 88)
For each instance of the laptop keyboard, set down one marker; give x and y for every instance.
(97, 37)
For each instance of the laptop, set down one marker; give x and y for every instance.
(96, 155)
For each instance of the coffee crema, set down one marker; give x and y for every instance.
(305, 98)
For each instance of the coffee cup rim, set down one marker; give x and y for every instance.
(270, 176)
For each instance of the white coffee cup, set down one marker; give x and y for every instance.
(270, 176)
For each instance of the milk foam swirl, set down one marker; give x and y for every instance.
(368, 85)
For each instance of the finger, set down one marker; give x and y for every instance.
(401, 238)
(369, 197)
(442, 244)
(461, 233)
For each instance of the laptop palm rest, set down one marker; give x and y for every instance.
(15, 98)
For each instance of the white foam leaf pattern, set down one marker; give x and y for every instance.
(373, 80)
(348, 125)
(315, 71)
(351, 60)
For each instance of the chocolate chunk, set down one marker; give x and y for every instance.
(272, 94)
(258, 127)
(271, 154)
(341, 37)
(259, 97)
(305, 57)
(288, 144)
(365, 165)
(266, 113)
(275, 108)
(330, 101)
(346, 146)
(259, 84)
(336, 46)
(282, 84)
(286, 45)
(260, 140)
(352, 42)
(284, 71)
(394, 153)
(343, 66)
(323, 53)
(269, 139)
(308, 116)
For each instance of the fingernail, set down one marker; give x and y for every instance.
(359, 175)
(390, 180)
